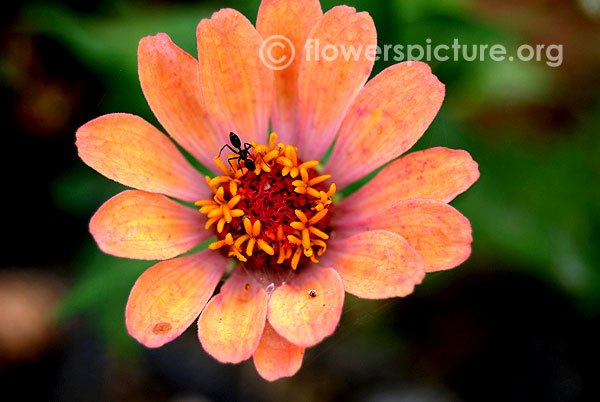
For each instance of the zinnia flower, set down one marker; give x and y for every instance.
(289, 248)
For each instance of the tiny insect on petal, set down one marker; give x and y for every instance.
(304, 320)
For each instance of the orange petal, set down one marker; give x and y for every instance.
(146, 226)
(293, 20)
(376, 265)
(237, 86)
(303, 317)
(386, 119)
(275, 357)
(232, 323)
(326, 85)
(168, 297)
(435, 173)
(438, 232)
(171, 83)
(127, 149)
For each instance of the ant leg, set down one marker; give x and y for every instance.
(233, 158)
(240, 166)
(235, 151)
(261, 156)
(246, 148)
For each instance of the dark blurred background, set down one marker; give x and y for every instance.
(517, 322)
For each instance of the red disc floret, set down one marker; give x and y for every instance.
(270, 198)
(274, 218)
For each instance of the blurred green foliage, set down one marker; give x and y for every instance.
(107, 44)
(535, 209)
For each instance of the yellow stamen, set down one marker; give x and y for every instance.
(304, 174)
(250, 246)
(215, 213)
(234, 251)
(318, 179)
(272, 141)
(233, 202)
(256, 228)
(221, 225)
(305, 238)
(271, 155)
(321, 244)
(236, 213)
(294, 240)
(319, 233)
(281, 258)
(318, 216)
(301, 216)
(290, 153)
(220, 243)
(331, 191)
(218, 180)
(227, 214)
(208, 179)
(297, 225)
(219, 194)
(264, 246)
(296, 258)
(264, 166)
(248, 226)
(222, 166)
(233, 187)
(206, 209)
(309, 165)
(311, 191)
(282, 160)
(210, 222)
(240, 240)
(204, 202)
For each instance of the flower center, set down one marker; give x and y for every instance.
(274, 218)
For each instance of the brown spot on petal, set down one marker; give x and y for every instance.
(312, 293)
(248, 287)
(162, 328)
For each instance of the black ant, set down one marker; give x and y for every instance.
(242, 152)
